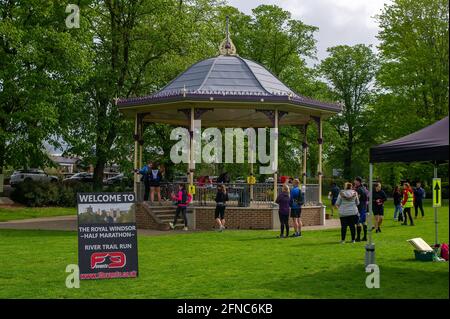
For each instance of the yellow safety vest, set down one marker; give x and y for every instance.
(409, 200)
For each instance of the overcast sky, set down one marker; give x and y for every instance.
(339, 21)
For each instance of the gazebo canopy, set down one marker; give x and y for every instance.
(233, 90)
(427, 144)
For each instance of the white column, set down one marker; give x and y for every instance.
(320, 158)
(275, 175)
(191, 147)
(305, 152)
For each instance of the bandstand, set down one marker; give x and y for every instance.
(230, 91)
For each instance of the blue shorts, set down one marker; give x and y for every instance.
(333, 201)
(362, 216)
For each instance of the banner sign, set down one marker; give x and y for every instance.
(107, 236)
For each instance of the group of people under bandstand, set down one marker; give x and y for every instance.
(352, 203)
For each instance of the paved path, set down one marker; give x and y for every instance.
(69, 223)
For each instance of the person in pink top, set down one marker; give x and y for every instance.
(183, 199)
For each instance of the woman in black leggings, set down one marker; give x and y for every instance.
(347, 202)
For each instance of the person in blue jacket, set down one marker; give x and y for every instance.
(144, 171)
(419, 195)
(296, 203)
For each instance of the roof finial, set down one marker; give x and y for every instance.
(227, 47)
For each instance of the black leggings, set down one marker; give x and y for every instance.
(146, 191)
(349, 221)
(284, 222)
(418, 205)
(182, 210)
(406, 214)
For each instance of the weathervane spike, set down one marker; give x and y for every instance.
(227, 47)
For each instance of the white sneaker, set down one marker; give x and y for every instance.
(185, 228)
(171, 225)
(342, 241)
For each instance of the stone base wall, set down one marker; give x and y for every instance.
(144, 220)
(235, 218)
(202, 218)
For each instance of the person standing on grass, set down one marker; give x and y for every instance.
(221, 200)
(348, 202)
(362, 209)
(333, 195)
(419, 195)
(183, 199)
(144, 172)
(296, 202)
(283, 200)
(397, 196)
(407, 203)
(378, 199)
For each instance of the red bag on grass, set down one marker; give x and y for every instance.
(444, 251)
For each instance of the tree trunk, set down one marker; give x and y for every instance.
(2, 155)
(98, 174)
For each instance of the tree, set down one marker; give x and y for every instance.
(133, 42)
(414, 58)
(350, 71)
(40, 64)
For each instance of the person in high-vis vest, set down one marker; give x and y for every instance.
(407, 203)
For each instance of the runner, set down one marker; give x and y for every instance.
(378, 199)
(419, 195)
(362, 209)
(296, 203)
(182, 199)
(154, 180)
(221, 199)
(283, 201)
(347, 202)
(407, 203)
(397, 196)
(333, 195)
(144, 172)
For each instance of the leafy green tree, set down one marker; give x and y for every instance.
(414, 60)
(137, 45)
(350, 72)
(40, 63)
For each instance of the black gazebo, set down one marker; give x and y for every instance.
(429, 144)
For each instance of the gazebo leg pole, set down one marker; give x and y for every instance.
(141, 141)
(370, 247)
(191, 146)
(320, 174)
(305, 153)
(436, 239)
(275, 174)
(136, 156)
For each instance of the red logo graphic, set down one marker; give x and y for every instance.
(108, 260)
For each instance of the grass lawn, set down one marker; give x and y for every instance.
(16, 213)
(233, 264)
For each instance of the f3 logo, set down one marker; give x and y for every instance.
(108, 260)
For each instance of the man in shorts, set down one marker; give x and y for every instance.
(296, 203)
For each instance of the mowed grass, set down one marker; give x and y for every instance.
(17, 213)
(233, 264)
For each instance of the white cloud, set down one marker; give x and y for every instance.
(339, 21)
